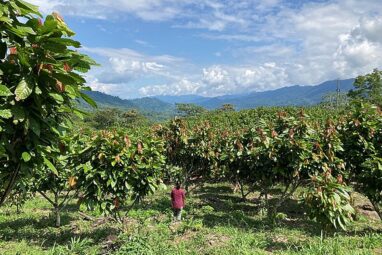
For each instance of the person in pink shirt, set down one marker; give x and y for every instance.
(178, 199)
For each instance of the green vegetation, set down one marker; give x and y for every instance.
(216, 221)
(368, 87)
(39, 81)
(297, 169)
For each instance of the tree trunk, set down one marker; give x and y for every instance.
(57, 216)
(57, 211)
(10, 185)
(243, 195)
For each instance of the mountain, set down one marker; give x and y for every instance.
(293, 95)
(162, 107)
(145, 105)
(187, 99)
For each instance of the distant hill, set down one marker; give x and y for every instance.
(152, 108)
(145, 104)
(181, 99)
(293, 95)
(163, 107)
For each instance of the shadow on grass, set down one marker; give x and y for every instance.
(42, 231)
(230, 210)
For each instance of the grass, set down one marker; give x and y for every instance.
(216, 221)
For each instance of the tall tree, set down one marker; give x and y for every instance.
(187, 110)
(39, 81)
(368, 87)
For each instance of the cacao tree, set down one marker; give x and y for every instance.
(328, 202)
(56, 181)
(39, 83)
(117, 167)
(362, 138)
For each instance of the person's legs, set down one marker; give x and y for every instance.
(175, 213)
(179, 215)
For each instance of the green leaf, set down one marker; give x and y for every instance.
(5, 113)
(4, 91)
(23, 90)
(66, 42)
(27, 6)
(21, 31)
(50, 25)
(54, 47)
(50, 166)
(26, 156)
(18, 113)
(89, 100)
(57, 97)
(34, 126)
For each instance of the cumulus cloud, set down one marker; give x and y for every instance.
(274, 43)
(121, 66)
(221, 80)
(180, 87)
(361, 49)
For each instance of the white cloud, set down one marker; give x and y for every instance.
(273, 43)
(126, 65)
(221, 80)
(108, 88)
(215, 75)
(360, 50)
(181, 87)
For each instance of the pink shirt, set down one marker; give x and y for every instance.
(178, 197)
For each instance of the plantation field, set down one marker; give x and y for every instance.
(216, 221)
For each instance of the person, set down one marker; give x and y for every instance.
(178, 199)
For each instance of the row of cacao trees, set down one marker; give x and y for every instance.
(324, 151)
(279, 147)
(104, 170)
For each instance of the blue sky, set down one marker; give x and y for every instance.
(217, 47)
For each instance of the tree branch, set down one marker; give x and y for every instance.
(46, 197)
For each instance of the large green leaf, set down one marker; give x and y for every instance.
(34, 125)
(23, 90)
(50, 166)
(88, 100)
(65, 42)
(5, 113)
(4, 91)
(21, 31)
(59, 99)
(29, 7)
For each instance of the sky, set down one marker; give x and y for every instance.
(220, 47)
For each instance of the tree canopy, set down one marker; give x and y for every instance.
(39, 82)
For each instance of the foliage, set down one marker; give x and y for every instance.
(362, 137)
(327, 201)
(111, 117)
(187, 110)
(39, 81)
(335, 100)
(227, 108)
(191, 150)
(61, 181)
(117, 167)
(368, 87)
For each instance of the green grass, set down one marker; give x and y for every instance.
(216, 221)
